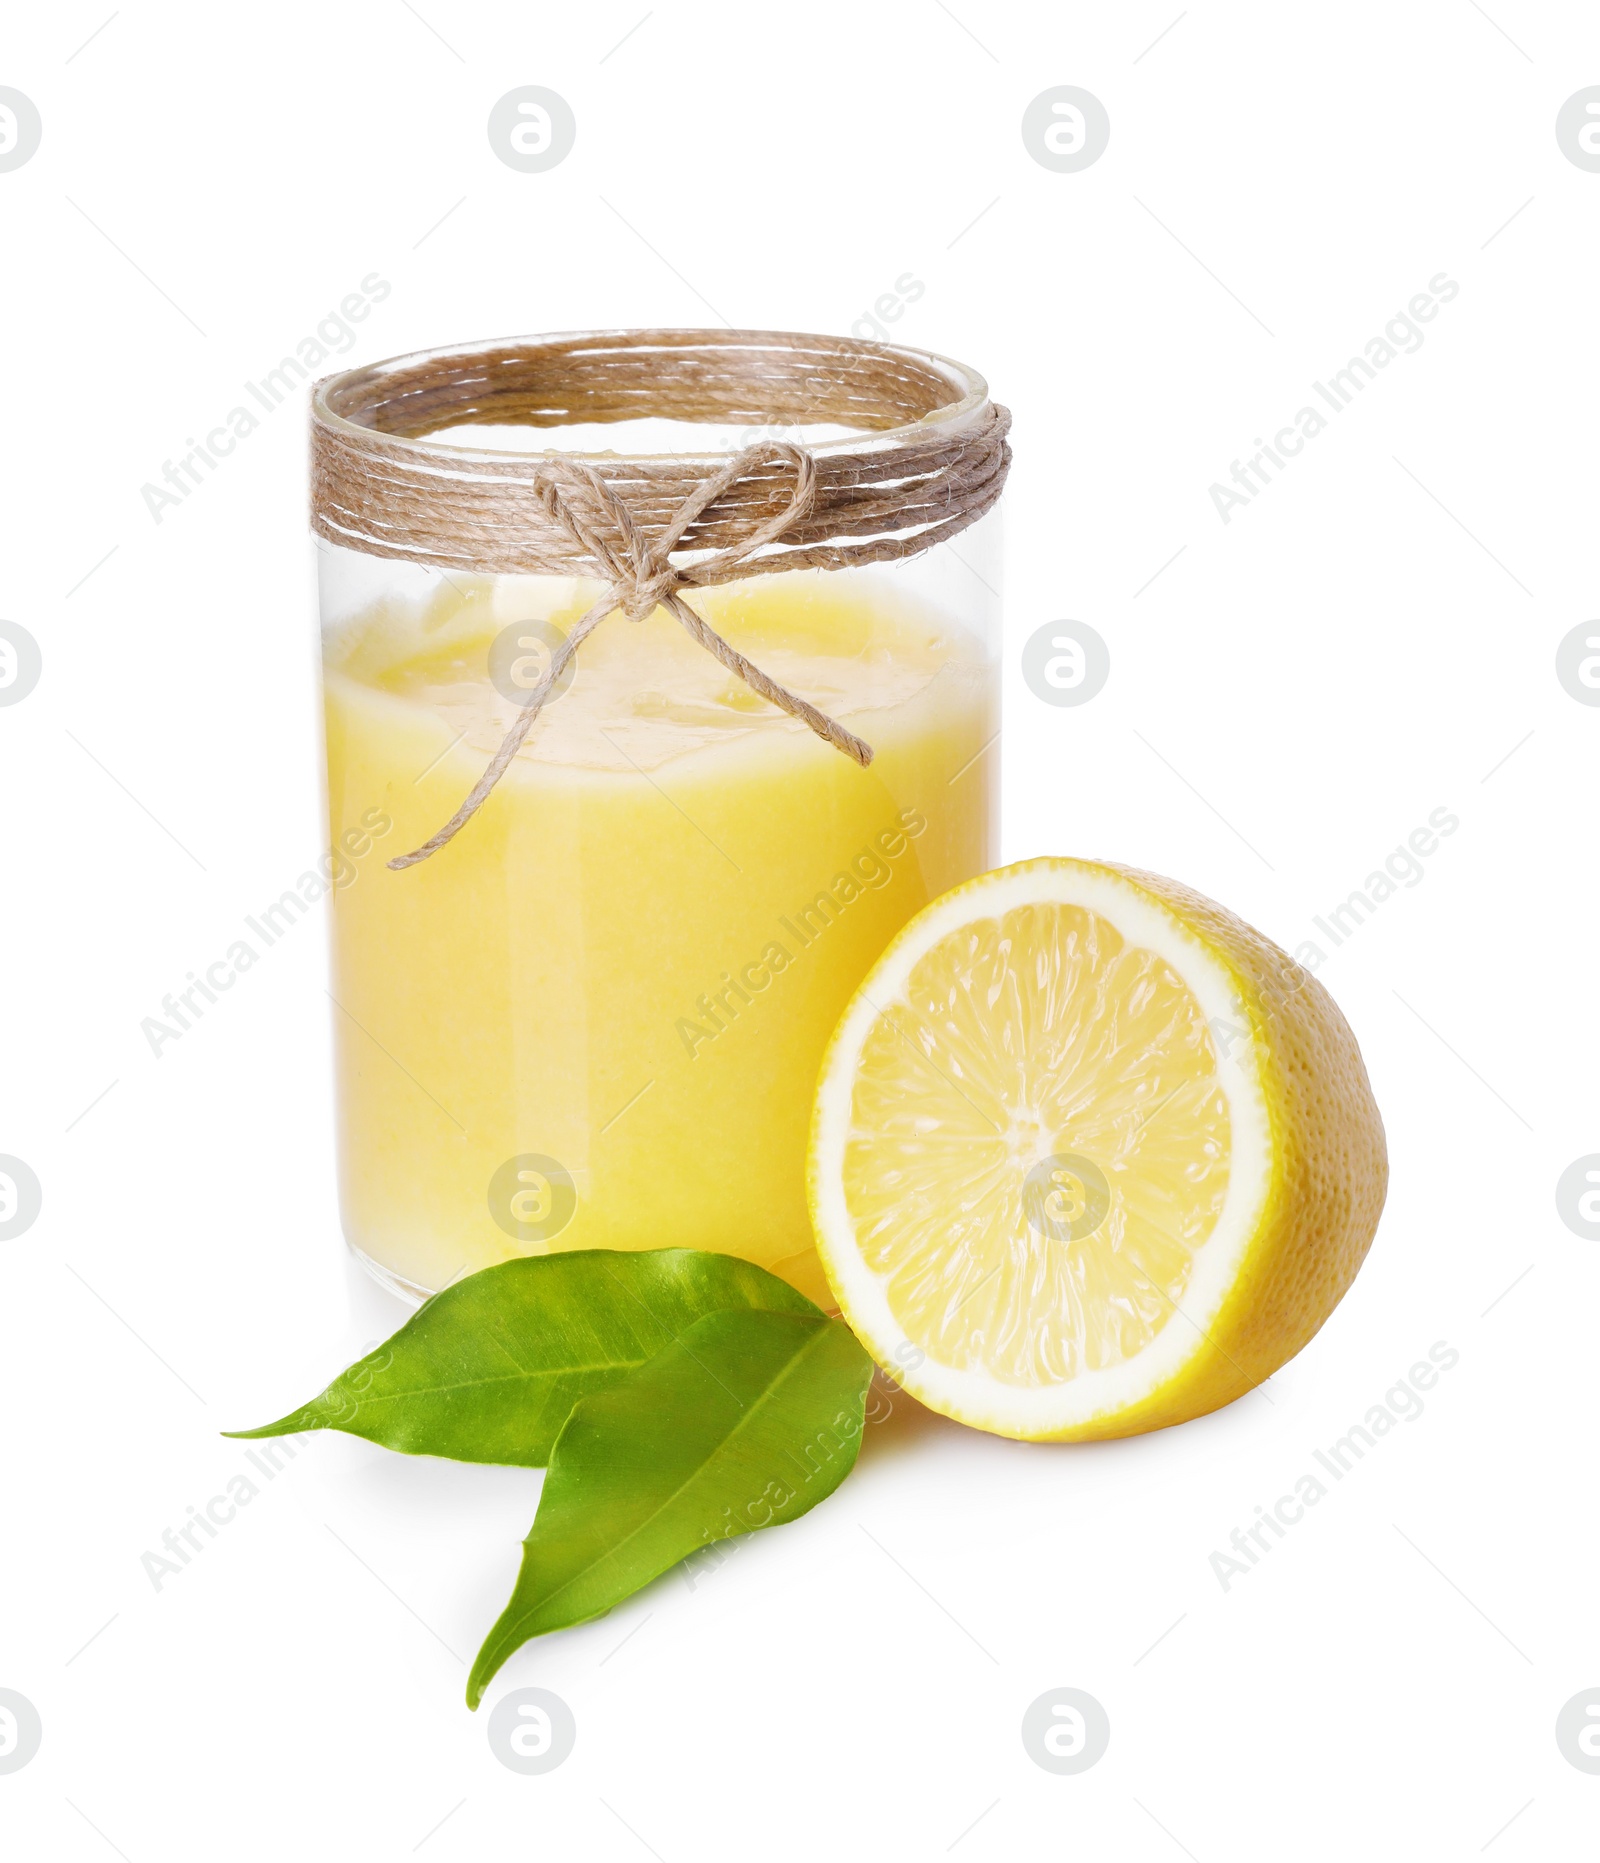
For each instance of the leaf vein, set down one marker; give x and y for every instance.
(739, 1424)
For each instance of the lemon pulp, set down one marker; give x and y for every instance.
(1040, 1146)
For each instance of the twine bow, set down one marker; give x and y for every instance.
(640, 577)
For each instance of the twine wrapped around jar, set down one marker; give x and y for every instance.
(927, 459)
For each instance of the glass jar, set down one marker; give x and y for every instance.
(595, 1017)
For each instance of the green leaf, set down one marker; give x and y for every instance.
(488, 1370)
(746, 1421)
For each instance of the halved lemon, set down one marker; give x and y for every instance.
(1090, 1155)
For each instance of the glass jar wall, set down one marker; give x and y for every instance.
(596, 1016)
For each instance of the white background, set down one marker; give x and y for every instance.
(1373, 638)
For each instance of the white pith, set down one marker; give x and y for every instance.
(1093, 1393)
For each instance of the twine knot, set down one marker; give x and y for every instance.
(650, 592)
(640, 577)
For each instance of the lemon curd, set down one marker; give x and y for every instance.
(595, 1018)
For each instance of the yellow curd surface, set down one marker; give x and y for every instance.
(595, 1018)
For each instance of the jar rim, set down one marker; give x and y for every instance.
(362, 387)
